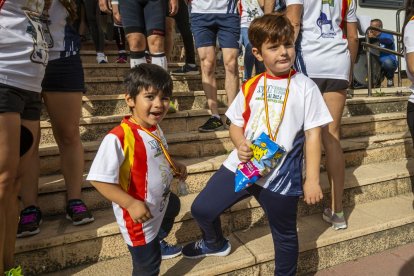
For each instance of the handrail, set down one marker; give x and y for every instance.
(369, 46)
(399, 44)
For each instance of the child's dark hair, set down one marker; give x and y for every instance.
(146, 76)
(275, 28)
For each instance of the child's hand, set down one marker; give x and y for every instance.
(182, 169)
(312, 192)
(244, 152)
(139, 211)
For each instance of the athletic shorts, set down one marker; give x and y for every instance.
(207, 28)
(64, 75)
(27, 103)
(143, 16)
(331, 85)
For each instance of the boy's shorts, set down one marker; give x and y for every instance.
(331, 85)
(207, 28)
(27, 103)
(143, 16)
(64, 75)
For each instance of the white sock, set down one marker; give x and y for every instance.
(159, 59)
(137, 61)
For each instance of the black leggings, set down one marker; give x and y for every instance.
(410, 118)
(91, 8)
(182, 21)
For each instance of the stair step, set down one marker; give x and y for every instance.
(113, 85)
(95, 128)
(373, 227)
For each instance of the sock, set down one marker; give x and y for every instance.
(216, 115)
(99, 54)
(340, 214)
(159, 59)
(137, 58)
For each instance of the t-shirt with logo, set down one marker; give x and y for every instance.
(322, 48)
(249, 10)
(409, 48)
(131, 158)
(62, 38)
(305, 109)
(23, 49)
(213, 6)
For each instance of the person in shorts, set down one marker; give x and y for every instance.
(214, 20)
(328, 31)
(23, 58)
(62, 91)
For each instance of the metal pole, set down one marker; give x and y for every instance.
(369, 66)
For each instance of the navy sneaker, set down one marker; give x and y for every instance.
(212, 124)
(199, 249)
(30, 219)
(186, 70)
(169, 251)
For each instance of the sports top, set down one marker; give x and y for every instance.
(213, 6)
(409, 48)
(249, 10)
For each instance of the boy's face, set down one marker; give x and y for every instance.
(149, 107)
(277, 58)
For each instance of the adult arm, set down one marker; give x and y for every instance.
(294, 14)
(268, 6)
(410, 62)
(352, 37)
(105, 6)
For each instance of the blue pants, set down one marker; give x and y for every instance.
(219, 195)
(146, 259)
(388, 67)
(249, 58)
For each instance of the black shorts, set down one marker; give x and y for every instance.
(331, 85)
(64, 75)
(27, 103)
(143, 16)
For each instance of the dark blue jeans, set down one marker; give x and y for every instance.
(219, 195)
(388, 66)
(146, 259)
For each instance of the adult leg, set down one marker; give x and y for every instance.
(389, 66)
(183, 24)
(211, 202)
(410, 119)
(93, 24)
(169, 36)
(231, 67)
(248, 55)
(335, 162)
(281, 212)
(65, 127)
(208, 66)
(9, 161)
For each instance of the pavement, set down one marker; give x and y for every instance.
(398, 261)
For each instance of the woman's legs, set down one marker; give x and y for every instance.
(335, 162)
(64, 110)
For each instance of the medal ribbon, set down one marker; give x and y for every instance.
(164, 150)
(273, 137)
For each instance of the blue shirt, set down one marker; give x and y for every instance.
(386, 41)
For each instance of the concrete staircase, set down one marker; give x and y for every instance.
(378, 197)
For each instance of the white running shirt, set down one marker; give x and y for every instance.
(213, 6)
(409, 48)
(322, 48)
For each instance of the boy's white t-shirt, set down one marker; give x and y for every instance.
(148, 178)
(250, 9)
(305, 109)
(23, 49)
(322, 48)
(409, 48)
(214, 6)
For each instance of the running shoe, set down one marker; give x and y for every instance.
(212, 124)
(29, 222)
(78, 213)
(169, 251)
(199, 249)
(332, 218)
(186, 70)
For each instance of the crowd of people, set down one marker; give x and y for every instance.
(287, 46)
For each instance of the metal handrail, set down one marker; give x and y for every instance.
(399, 43)
(368, 49)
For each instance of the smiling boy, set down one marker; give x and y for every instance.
(134, 170)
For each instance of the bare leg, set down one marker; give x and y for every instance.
(65, 127)
(335, 162)
(232, 73)
(208, 65)
(9, 161)
(169, 36)
(136, 42)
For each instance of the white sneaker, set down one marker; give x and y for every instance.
(101, 59)
(337, 222)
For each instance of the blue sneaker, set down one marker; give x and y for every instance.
(169, 251)
(199, 249)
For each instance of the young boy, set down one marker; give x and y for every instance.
(134, 170)
(259, 107)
